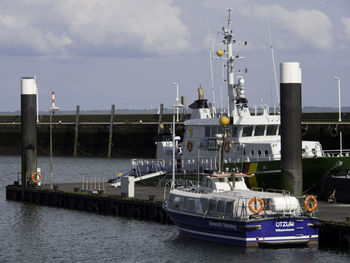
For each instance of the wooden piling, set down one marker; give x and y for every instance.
(110, 132)
(75, 151)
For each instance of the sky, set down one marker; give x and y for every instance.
(130, 52)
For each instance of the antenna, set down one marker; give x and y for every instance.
(212, 81)
(273, 61)
(229, 18)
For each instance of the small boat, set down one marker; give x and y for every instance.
(223, 209)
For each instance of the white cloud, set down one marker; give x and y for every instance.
(346, 23)
(94, 27)
(312, 26)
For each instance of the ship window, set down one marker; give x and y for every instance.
(221, 206)
(244, 153)
(205, 204)
(229, 208)
(259, 130)
(212, 206)
(259, 152)
(214, 130)
(247, 131)
(191, 205)
(271, 129)
(266, 153)
(207, 131)
(234, 131)
(252, 153)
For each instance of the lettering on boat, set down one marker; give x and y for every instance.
(224, 225)
(285, 224)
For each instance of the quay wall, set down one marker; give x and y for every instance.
(134, 134)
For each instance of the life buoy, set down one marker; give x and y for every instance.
(189, 146)
(227, 146)
(310, 203)
(255, 209)
(36, 177)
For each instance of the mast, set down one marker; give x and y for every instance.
(229, 63)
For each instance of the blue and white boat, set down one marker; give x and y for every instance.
(223, 209)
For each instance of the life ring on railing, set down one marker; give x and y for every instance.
(255, 209)
(189, 146)
(227, 146)
(312, 205)
(36, 177)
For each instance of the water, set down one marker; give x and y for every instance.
(31, 233)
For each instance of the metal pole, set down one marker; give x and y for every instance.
(173, 179)
(160, 117)
(339, 119)
(51, 185)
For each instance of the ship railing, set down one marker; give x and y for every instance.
(336, 153)
(146, 166)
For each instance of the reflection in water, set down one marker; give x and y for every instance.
(32, 233)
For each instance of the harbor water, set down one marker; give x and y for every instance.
(33, 233)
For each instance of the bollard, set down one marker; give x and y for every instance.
(291, 162)
(28, 129)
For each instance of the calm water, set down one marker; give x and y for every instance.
(31, 233)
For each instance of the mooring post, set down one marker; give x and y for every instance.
(75, 151)
(160, 119)
(291, 159)
(111, 132)
(28, 128)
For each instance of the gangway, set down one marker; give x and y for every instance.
(141, 169)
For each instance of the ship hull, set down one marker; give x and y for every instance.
(289, 231)
(267, 174)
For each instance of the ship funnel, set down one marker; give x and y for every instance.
(200, 93)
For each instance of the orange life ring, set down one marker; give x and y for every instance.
(227, 146)
(255, 209)
(36, 177)
(313, 203)
(189, 146)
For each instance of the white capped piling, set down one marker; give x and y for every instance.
(28, 129)
(291, 162)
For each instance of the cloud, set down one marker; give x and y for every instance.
(94, 27)
(312, 26)
(346, 23)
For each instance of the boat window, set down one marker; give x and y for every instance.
(191, 205)
(244, 153)
(212, 206)
(259, 130)
(259, 152)
(266, 153)
(234, 131)
(221, 206)
(271, 130)
(229, 208)
(252, 153)
(205, 204)
(247, 131)
(214, 130)
(207, 131)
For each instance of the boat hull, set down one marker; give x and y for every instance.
(251, 233)
(267, 174)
